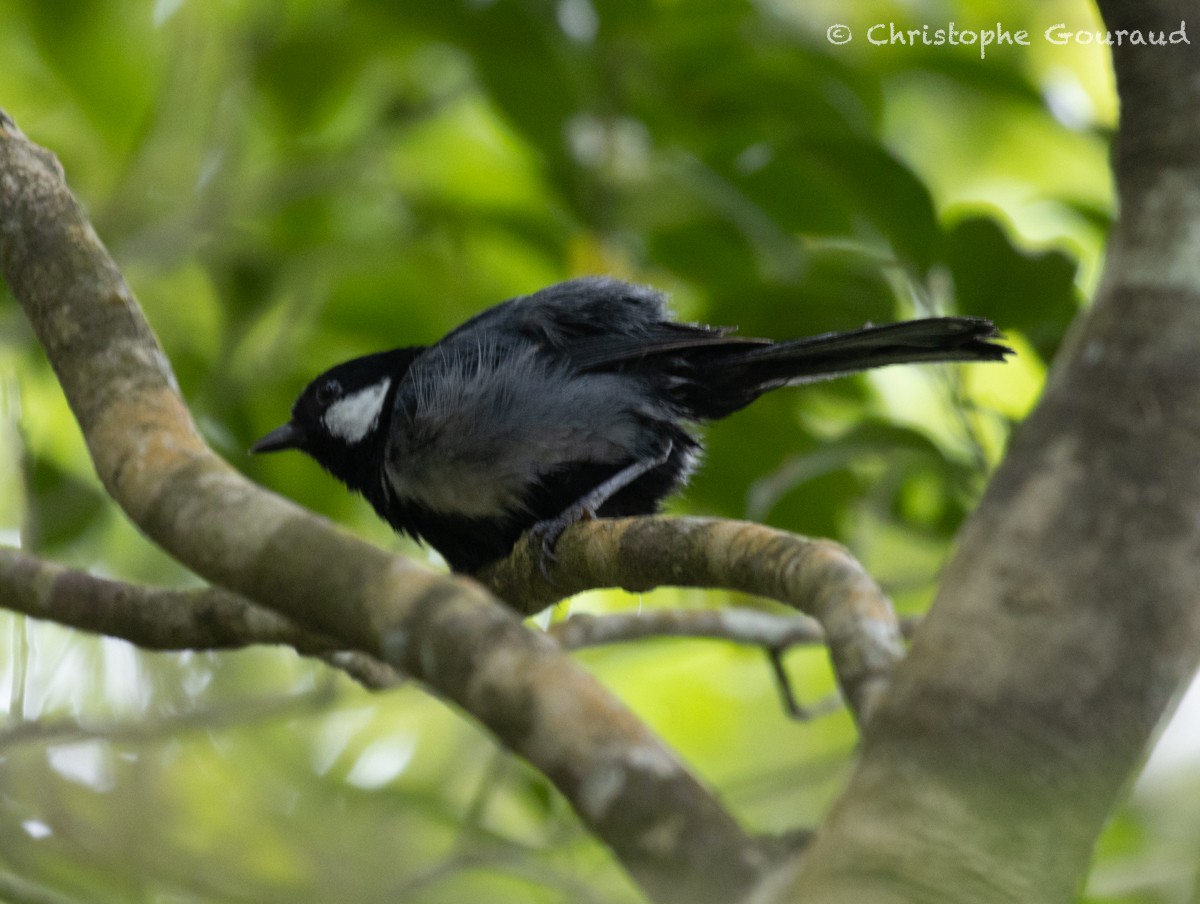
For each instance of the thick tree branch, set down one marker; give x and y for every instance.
(202, 618)
(1067, 623)
(667, 830)
(817, 577)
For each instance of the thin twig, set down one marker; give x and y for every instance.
(735, 624)
(16, 890)
(142, 730)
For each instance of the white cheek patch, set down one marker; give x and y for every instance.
(351, 418)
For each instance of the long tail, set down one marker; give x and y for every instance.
(747, 373)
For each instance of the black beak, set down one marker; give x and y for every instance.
(289, 436)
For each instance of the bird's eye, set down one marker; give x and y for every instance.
(329, 391)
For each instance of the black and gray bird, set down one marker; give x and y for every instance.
(575, 401)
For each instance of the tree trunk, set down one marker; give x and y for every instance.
(1068, 623)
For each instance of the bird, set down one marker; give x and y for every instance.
(577, 401)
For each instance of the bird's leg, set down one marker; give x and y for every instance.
(586, 506)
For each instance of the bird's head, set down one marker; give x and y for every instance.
(342, 417)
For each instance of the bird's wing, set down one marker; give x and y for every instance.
(604, 352)
(594, 324)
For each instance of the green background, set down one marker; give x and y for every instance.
(286, 185)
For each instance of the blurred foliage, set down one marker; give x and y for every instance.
(289, 184)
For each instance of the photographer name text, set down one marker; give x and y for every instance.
(885, 34)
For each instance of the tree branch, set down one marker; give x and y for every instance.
(742, 626)
(209, 618)
(221, 715)
(669, 831)
(201, 618)
(817, 577)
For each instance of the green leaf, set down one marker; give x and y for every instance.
(1033, 292)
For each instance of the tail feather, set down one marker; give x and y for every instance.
(909, 342)
(746, 373)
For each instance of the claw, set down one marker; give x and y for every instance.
(546, 534)
(549, 530)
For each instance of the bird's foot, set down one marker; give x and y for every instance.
(547, 533)
(587, 506)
